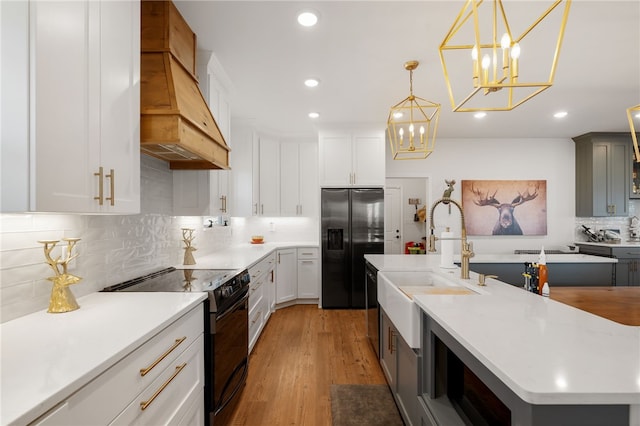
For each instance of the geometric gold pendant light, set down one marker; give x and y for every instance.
(633, 114)
(412, 124)
(490, 65)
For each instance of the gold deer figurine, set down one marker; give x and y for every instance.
(62, 299)
(188, 237)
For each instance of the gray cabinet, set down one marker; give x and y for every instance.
(400, 366)
(603, 174)
(627, 270)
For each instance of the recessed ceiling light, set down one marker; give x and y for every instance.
(560, 114)
(637, 115)
(307, 19)
(314, 115)
(311, 82)
(397, 115)
(480, 114)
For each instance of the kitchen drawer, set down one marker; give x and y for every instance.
(170, 396)
(261, 267)
(626, 252)
(102, 399)
(256, 292)
(256, 322)
(307, 253)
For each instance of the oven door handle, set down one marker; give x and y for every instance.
(233, 307)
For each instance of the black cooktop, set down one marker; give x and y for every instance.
(177, 280)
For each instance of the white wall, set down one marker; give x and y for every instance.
(500, 159)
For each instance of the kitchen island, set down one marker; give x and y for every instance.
(542, 361)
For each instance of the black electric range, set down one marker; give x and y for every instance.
(226, 329)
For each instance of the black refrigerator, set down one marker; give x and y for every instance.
(352, 223)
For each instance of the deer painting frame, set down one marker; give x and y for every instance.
(528, 196)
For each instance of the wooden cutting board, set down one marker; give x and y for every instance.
(417, 290)
(619, 304)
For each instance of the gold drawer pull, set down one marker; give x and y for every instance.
(112, 185)
(145, 404)
(100, 176)
(144, 371)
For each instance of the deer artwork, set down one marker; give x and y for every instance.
(507, 223)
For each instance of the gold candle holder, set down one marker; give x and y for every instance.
(62, 299)
(188, 237)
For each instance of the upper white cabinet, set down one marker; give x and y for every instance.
(298, 179)
(353, 158)
(269, 176)
(200, 192)
(273, 177)
(75, 143)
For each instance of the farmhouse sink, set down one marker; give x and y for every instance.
(397, 288)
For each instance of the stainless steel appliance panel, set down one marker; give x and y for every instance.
(336, 250)
(367, 237)
(372, 312)
(352, 222)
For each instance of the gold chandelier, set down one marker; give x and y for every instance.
(634, 113)
(412, 124)
(498, 76)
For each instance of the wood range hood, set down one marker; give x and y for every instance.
(176, 123)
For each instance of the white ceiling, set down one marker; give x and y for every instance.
(358, 49)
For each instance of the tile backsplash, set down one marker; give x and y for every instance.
(599, 223)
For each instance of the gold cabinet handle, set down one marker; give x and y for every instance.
(100, 196)
(112, 185)
(223, 203)
(147, 403)
(144, 371)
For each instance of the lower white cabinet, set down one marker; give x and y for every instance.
(261, 289)
(159, 383)
(286, 275)
(308, 273)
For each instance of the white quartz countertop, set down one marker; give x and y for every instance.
(46, 357)
(241, 256)
(544, 351)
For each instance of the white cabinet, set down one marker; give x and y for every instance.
(286, 275)
(206, 192)
(298, 179)
(260, 295)
(352, 158)
(159, 383)
(80, 151)
(269, 176)
(308, 273)
(272, 177)
(200, 192)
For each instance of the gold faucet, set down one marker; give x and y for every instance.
(466, 249)
(483, 277)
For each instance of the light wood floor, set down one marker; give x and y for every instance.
(301, 352)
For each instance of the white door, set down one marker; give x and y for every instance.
(368, 159)
(392, 220)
